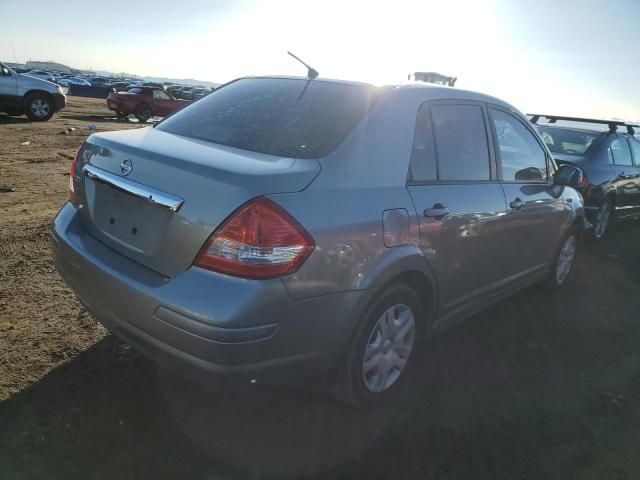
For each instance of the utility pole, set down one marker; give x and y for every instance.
(14, 52)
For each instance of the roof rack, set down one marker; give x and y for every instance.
(433, 77)
(613, 124)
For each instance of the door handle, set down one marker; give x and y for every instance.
(438, 211)
(517, 204)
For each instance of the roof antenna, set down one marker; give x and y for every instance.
(311, 72)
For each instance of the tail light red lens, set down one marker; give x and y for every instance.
(259, 240)
(72, 176)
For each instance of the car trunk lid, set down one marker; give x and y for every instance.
(156, 197)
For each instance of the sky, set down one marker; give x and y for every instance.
(563, 57)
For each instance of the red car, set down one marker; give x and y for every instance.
(144, 103)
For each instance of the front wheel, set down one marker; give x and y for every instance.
(564, 260)
(39, 107)
(383, 349)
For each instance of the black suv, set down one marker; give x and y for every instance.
(610, 161)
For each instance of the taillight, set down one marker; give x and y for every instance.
(259, 240)
(72, 176)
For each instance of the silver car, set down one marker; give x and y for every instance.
(304, 227)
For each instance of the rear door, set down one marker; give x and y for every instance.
(460, 205)
(635, 152)
(536, 209)
(627, 181)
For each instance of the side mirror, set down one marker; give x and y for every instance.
(5, 72)
(569, 176)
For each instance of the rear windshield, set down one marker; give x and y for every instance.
(275, 116)
(566, 141)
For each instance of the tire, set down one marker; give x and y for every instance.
(360, 386)
(39, 107)
(564, 260)
(14, 112)
(143, 112)
(604, 218)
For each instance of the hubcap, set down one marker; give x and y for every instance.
(565, 259)
(40, 108)
(602, 220)
(388, 349)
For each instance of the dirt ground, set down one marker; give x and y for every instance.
(540, 386)
(41, 324)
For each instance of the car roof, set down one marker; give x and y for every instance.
(419, 89)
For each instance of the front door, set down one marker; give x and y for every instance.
(536, 209)
(460, 205)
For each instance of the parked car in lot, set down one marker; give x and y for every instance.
(143, 102)
(282, 225)
(198, 93)
(174, 90)
(42, 75)
(120, 86)
(185, 93)
(24, 94)
(99, 81)
(610, 162)
(65, 82)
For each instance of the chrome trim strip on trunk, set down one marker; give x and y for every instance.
(156, 197)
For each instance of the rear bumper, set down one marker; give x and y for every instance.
(202, 321)
(60, 101)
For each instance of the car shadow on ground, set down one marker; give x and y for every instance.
(539, 386)
(8, 119)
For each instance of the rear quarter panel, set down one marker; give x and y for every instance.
(350, 253)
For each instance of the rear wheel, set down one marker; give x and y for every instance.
(603, 219)
(383, 349)
(143, 112)
(39, 107)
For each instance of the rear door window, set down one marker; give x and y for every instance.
(522, 157)
(276, 116)
(620, 153)
(460, 139)
(450, 144)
